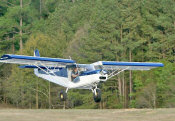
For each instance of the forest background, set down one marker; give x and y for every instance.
(90, 31)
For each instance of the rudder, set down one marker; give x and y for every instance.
(36, 53)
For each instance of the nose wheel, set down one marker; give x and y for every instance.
(97, 95)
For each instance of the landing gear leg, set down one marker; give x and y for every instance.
(96, 94)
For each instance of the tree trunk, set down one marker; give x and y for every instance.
(119, 86)
(22, 97)
(64, 105)
(150, 50)
(101, 106)
(119, 79)
(126, 94)
(49, 97)
(40, 10)
(154, 100)
(30, 103)
(21, 24)
(121, 33)
(123, 89)
(13, 46)
(130, 76)
(37, 94)
(4, 98)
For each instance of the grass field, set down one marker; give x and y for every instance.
(88, 115)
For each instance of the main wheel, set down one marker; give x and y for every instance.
(97, 95)
(63, 95)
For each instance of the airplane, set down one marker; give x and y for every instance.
(59, 71)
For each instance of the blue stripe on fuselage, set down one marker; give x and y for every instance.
(84, 73)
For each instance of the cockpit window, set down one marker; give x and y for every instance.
(90, 68)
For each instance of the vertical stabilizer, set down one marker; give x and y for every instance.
(36, 53)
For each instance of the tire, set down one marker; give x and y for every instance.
(63, 95)
(97, 97)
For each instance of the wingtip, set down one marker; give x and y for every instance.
(162, 65)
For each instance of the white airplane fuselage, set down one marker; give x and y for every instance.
(80, 82)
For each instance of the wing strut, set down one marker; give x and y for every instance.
(116, 72)
(48, 70)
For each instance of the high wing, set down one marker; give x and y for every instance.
(37, 61)
(114, 65)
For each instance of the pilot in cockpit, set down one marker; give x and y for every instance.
(74, 73)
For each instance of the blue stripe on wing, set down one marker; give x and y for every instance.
(132, 64)
(8, 56)
(43, 67)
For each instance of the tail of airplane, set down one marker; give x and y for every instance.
(36, 53)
